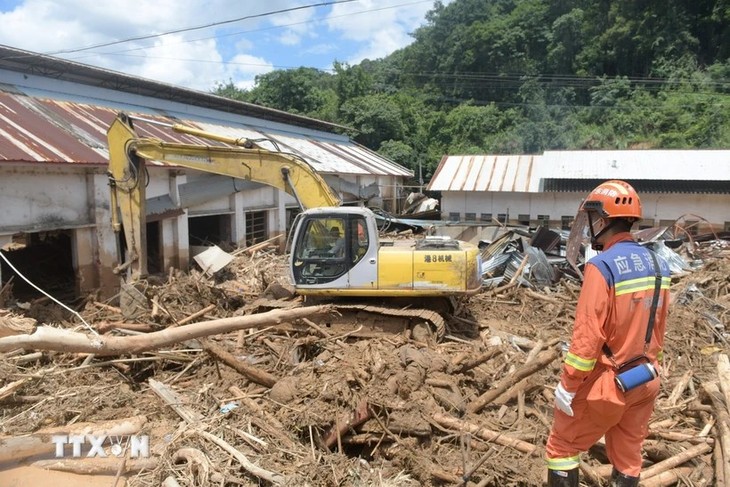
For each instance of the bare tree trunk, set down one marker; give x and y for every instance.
(675, 461)
(58, 340)
(249, 371)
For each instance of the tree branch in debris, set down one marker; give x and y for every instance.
(675, 461)
(97, 466)
(192, 418)
(670, 477)
(540, 362)
(55, 339)
(485, 434)
(250, 372)
(723, 422)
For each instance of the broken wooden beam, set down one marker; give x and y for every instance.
(345, 422)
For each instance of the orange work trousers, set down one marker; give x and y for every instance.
(601, 409)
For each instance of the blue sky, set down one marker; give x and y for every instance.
(274, 36)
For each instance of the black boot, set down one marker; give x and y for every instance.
(563, 478)
(622, 480)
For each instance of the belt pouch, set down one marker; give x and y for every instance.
(635, 376)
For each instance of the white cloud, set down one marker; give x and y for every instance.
(174, 58)
(290, 38)
(197, 59)
(382, 26)
(297, 23)
(244, 69)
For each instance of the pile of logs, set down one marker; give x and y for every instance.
(230, 396)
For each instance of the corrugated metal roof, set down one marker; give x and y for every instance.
(36, 129)
(45, 131)
(507, 173)
(675, 164)
(656, 170)
(60, 70)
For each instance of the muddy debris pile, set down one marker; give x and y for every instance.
(228, 379)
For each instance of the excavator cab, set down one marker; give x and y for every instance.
(338, 252)
(327, 245)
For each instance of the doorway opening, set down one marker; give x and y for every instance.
(46, 260)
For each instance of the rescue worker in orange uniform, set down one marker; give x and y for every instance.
(612, 319)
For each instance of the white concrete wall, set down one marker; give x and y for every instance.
(35, 197)
(43, 197)
(38, 198)
(656, 206)
(533, 204)
(253, 198)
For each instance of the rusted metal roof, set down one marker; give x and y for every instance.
(508, 173)
(44, 130)
(58, 69)
(34, 130)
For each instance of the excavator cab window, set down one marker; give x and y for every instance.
(327, 247)
(360, 240)
(323, 239)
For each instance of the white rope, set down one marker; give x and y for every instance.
(47, 295)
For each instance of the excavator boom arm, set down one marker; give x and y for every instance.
(127, 176)
(261, 166)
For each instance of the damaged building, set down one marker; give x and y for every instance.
(692, 186)
(521, 209)
(55, 227)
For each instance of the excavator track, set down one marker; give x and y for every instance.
(369, 320)
(411, 315)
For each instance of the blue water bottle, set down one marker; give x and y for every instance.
(635, 376)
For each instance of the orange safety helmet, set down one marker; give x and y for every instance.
(614, 199)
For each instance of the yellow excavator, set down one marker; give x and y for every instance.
(334, 251)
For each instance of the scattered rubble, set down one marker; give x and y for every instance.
(289, 401)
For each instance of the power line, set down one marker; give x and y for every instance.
(577, 106)
(471, 80)
(230, 34)
(188, 29)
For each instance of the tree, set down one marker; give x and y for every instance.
(301, 90)
(566, 41)
(548, 121)
(351, 82)
(376, 118)
(516, 76)
(400, 152)
(468, 127)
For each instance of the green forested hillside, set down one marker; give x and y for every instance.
(524, 76)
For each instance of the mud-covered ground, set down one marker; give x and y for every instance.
(410, 401)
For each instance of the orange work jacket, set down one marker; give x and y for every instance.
(613, 308)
